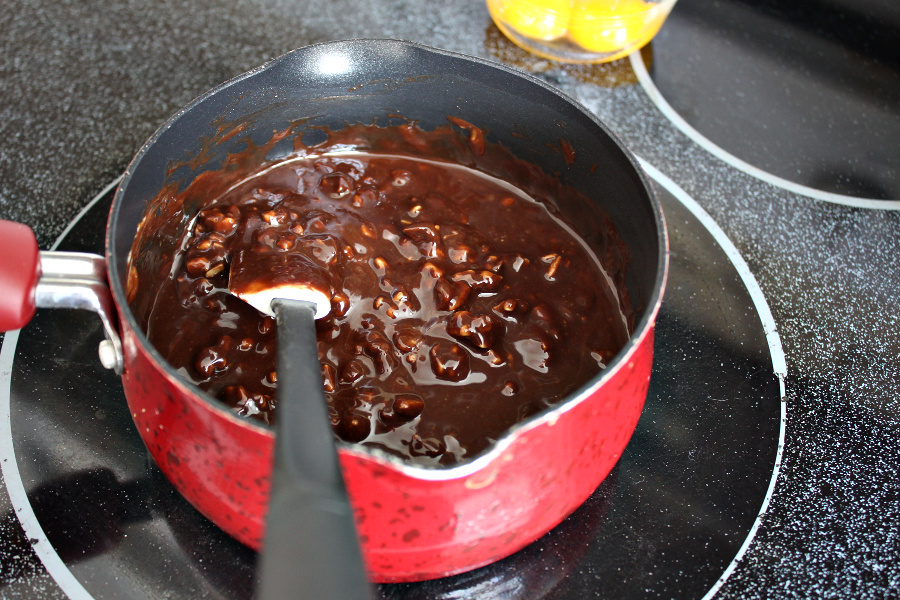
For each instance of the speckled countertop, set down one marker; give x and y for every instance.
(781, 123)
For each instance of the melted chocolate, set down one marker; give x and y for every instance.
(460, 305)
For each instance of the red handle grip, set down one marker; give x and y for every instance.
(20, 269)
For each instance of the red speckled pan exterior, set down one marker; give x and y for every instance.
(414, 524)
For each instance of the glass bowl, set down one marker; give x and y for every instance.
(580, 31)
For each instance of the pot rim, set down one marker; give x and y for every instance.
(423, 472)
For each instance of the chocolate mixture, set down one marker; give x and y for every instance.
(460, 305)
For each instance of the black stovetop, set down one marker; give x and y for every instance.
(764, 464)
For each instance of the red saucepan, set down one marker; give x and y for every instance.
(414, 522)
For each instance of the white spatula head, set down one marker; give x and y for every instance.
(257, 278)
(262, 299)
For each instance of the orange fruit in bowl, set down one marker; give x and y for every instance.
(535, 19)
(606, 26)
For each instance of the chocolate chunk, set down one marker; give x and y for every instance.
(337, 185)
(352, 371)
(354, 427)
(450, 295)
(407, 339)
(449, 361)
(408, 406)
(478, 330)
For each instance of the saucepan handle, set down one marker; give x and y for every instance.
(31, 279)
(20, 269)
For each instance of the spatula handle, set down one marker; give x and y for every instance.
(311, 549)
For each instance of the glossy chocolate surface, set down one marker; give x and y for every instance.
(460, 305)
